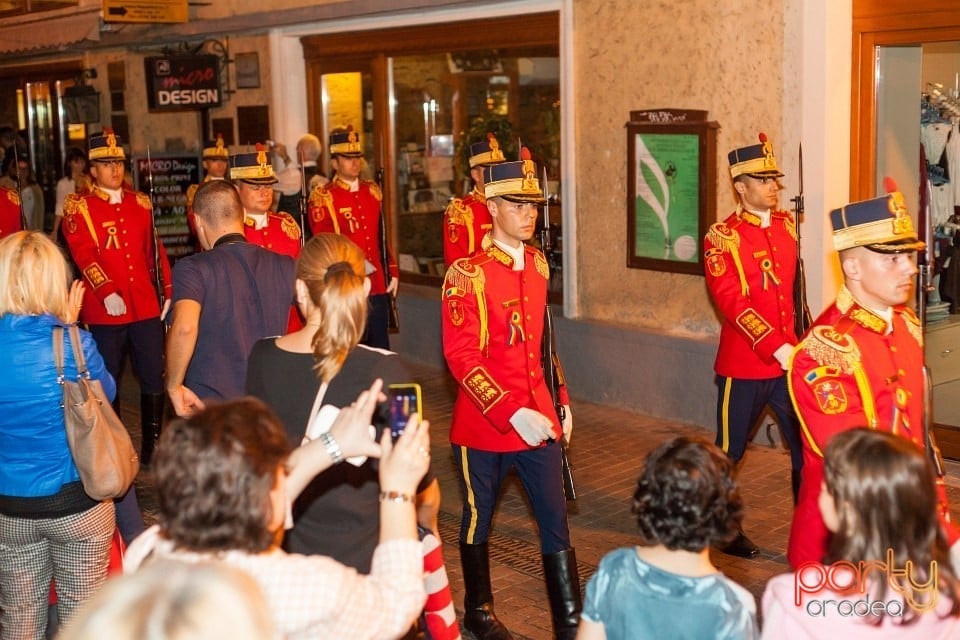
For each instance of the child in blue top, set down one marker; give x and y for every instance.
(686, 500)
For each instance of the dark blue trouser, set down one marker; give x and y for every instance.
(145, 341)
(481, 476)
(739, 405)
(377, 334)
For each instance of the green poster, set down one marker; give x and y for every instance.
(667, 205)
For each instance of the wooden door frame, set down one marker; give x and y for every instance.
(878, 23)
(371, 50)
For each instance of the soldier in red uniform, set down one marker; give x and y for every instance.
(254, 178)
(350, 206)
(750, 261)
(109, 231)
(10, 219)
(494, 303)
(216, 159)
(466, 219)
(861, 362)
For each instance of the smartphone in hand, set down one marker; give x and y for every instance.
(403, 400)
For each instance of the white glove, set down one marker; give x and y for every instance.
(782, 354)
(165, 310)
(115, 305)
(567, 424)
(532, 426)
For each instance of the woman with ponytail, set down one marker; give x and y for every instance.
(337, 515)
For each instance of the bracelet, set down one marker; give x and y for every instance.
(395, 496)
(333, 449)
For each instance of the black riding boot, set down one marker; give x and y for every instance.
(151, 418)
(563, 588)
(478, 616)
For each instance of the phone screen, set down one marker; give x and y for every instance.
(404, 400)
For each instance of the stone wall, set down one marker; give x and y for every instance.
(722, 57)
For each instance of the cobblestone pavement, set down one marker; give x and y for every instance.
(607, 450)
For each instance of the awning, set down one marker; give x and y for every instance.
(43, 31)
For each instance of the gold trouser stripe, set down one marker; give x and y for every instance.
(725, 415)
(471, 502)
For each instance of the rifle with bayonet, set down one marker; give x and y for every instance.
(924, 287)
(552, 369)
(16, 159)
(157, 269)
(801, 310)
(303, 197)
(393, 317)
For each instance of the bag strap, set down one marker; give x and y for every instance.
(78, 352)
(322, 391)
(58, 352)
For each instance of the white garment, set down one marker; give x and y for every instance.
(941, 203)
(953, 159)
(933, 136)
(65, 186)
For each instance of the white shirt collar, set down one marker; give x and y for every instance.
(764, 217)
(116, 195)
(259, 219)
(516, 253)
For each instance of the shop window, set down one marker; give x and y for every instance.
(423, 94)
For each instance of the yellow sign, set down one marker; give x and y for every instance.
(145, 11)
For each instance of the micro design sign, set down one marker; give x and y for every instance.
(183, 82)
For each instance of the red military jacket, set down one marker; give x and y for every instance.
(10, 220)
(852, 369)
(750, 272)
(334, 208)
(113, 246)
(467, 221)
(281, 234)
(492, 329)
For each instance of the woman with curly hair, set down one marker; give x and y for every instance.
(687, 499)
(887, 573)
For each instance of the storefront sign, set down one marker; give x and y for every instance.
(183, 82)
(166, 179)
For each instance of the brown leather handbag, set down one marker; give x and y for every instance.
(99, 442)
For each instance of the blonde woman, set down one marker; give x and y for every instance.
(49, 528)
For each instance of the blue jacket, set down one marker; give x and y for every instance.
(35, 459)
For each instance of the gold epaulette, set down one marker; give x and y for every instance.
(831, 348)
(788, 222)
(465, 277)
(321, 195)
(144, 201)
(322, 200)
(375, 191)
(913, 324)
(727, 240)
(13, 196)
(191, 194)
(287, 224)
(539, 261)
(458, 212)
(76, 205)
